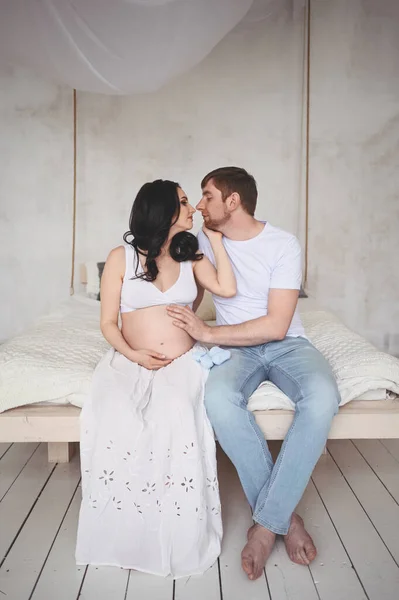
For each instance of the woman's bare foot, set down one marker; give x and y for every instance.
(299, 544)
(257, 550)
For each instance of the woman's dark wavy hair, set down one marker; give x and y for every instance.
(155, 209)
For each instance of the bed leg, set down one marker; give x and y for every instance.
(325, 450)
(60, 452)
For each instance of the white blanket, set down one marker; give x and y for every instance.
(54, 360)
(360, 369)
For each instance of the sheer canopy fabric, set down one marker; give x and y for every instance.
(119, 46)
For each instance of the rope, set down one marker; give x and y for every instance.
(307, 29)
(72, 288)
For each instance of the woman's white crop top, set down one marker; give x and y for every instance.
(138, 293)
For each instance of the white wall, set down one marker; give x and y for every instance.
(241, 106)
(35, 197)
(354, 165)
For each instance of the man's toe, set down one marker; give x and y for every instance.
(247, 565)
(310, 551)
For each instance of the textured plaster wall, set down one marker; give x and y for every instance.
(354, 165)
(242, 105)
(35, 197)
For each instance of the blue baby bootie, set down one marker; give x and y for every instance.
(219, 355)
(208, 358)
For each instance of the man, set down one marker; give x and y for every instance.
(263, 330)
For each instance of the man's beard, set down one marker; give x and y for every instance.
(216, 224)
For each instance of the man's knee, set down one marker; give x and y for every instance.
(220, 401)
(321, 397)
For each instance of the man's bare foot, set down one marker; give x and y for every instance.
(299, 544)
(257, 550)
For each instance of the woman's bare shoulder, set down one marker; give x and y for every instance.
(116, 259)
(117, 253)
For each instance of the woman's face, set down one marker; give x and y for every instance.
(185, 220)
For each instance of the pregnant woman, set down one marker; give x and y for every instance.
(149, 482)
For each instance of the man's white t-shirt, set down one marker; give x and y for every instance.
(270, 260)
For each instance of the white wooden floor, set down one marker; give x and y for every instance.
(351, 508)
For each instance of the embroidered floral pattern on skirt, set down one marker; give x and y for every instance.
(149, 481)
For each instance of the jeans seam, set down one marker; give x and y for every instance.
(298, 385)
(282, 451)
(273, 479)
(261, 438)
(240, 390)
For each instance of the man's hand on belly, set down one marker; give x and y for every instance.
(184, 318)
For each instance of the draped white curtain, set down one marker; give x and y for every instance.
(119, 46)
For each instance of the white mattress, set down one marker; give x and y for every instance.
(54, 360)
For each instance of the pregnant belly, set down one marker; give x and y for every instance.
(152, 329)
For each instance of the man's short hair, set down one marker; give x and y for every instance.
(234, 179)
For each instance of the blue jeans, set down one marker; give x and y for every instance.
(303, 374)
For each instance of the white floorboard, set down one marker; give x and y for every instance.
(350, 508)
(332, 571)
(379, 505)
(382, 462)
(61, 578)
(199, 587)
(288, 581)
(12, 463)
(23, 564)
(3, 448)
(104, 583)
(142, 586)
(371, 559)
(19, 500)
(392, 446)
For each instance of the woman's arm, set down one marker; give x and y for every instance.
(220, 281)
(111, 285)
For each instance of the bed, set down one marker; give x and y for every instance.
(45, 375)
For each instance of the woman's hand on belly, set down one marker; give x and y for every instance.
(150, 359)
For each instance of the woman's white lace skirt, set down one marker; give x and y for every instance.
(149, 481)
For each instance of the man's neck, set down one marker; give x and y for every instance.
(242, 229)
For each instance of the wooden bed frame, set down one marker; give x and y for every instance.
(59, 425)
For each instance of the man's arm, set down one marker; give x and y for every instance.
(272, 327)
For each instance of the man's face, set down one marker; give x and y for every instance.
(213, 207)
